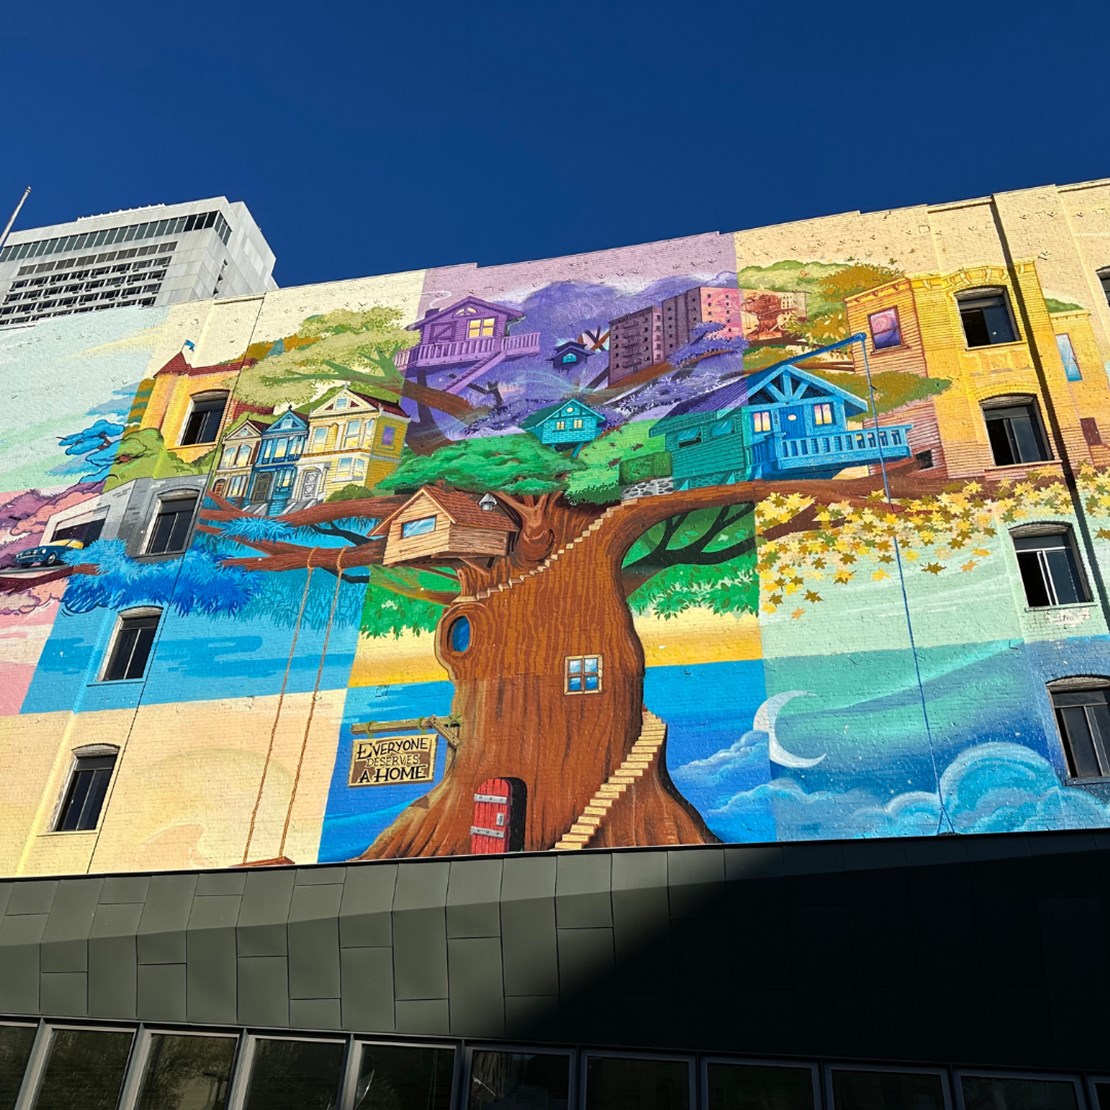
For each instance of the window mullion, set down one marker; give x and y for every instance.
(36, 1065)
(1046, 574)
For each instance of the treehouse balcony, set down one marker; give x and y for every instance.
(462, 352)
(821, 454)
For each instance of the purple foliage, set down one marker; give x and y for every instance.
(704, 344)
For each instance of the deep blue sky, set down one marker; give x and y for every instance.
(368, 136)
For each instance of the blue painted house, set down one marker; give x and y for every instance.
(275, 468)
(570, 424)
(778, 423)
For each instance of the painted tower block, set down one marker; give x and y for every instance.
(635, 342)
(701, 305)
(352, 439)
(238, 455)
(274, 474)
(187, 405)
(445, 524)
(464, 341)
(989, 332)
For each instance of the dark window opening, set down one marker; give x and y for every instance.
(171, 525)
(131, 647)
(295, 1075)
(1104, 278)
(1091, 434)
(1083, 718)
(986, 317)
(459, 634)
(204, 420)
(85, 796)
(924, 460)
(84, 1068)
(1050, 570)
(1015, 434)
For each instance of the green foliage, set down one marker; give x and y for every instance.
(729, 587)
(597, 479)
(515, 464)
(1054, 305)
(893, 388)
(143, 454)
(388, 613)
(350, 492)
(337, 347)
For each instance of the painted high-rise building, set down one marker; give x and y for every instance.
(159, 255)
(703, 304)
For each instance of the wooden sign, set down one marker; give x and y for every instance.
(392, 760)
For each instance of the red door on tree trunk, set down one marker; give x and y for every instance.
(498, 817)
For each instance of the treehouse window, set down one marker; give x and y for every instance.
(458, 635)
(689, 437)
(822, 414)
(577, 423)
(570, 358)
(480, 329)
(761, 421)
(560, 425)
(422, 527)
(885, 329)
(583, 674)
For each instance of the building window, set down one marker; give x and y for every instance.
(319, 436)
(761, 421)
(822, 414)
(480, 329)
(583, 674)
(570, 358)
(689, 437)
(387, 435)
(351, 431)
(342, 403)
(576, 423)
(243, 458)
(722, 428)
(1082, 708)
(344, 469)
(985, 314)
(560, 425)
(87, 787)
(421, 527)
(1067, 357)
(131, 644)
(1015, 432)
(885, 329)
(1050, 569)
(205, 416)
(1104, 277)
(174, 518)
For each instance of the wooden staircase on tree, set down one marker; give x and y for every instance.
(552, 558)
(645, 751)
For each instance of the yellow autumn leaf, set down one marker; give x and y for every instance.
(932, 568)
(879, 575)
(797, 613)
(971, 564)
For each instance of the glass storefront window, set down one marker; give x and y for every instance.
(295, 1075)
(187, 1071)
(887, 1090)
(84, 1070)
(15, 1050)
(629, 1083)
(396, 1077)
(529, 1080)
(758, 1087)
(989, 1092)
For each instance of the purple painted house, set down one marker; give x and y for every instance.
(464, 341)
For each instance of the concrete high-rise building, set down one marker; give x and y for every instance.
(159, 255)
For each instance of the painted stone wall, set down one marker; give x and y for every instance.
(797, 533)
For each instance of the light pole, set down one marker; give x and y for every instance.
(8, 225)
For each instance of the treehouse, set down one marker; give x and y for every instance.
(780, 422)
(571, 424)
(436, 524)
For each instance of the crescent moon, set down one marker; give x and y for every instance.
(766, 716)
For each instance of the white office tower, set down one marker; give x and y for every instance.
(163, 254)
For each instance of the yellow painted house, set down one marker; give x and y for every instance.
(1025, 373)
(353, 439)
(188, 405)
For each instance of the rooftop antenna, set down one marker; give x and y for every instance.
(8, 225)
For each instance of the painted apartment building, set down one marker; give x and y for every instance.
(393, 713)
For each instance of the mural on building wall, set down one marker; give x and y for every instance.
(607, 559)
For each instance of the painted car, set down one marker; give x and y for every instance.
(47, 555)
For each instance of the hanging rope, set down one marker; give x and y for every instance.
(315, 695)
(281, 702)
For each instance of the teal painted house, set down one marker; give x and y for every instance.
(570, 424)
(778, 422)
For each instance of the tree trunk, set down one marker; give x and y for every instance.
(519, 722)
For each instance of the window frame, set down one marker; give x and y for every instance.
(1103, 275)
(958, 1075)
(35, 1071)
(1080, 684)
(160, 502)
(139, 612)
(968, 297)
(899, 342)
(244, 1062)
(1035, 531)
(568, 659)
(408, 531)
(206, 398)
(585, 1054)
(1004, 401)
(811, 1066)
(137, 1066)
(464, 1066)
(87, 752)
(947, 1086)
